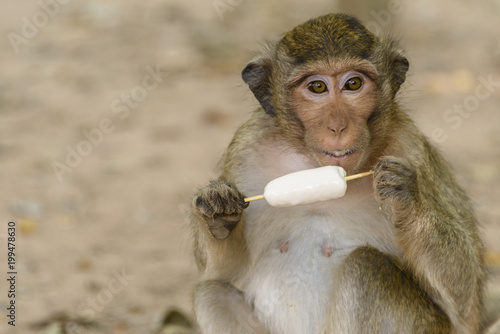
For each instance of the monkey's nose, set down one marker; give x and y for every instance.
(337, 122)
(337, 128)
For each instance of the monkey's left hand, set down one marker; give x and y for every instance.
(395, 180)
(221, 205)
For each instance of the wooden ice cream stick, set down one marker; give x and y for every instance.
(253, 198)
(358, 176)
(347, 178)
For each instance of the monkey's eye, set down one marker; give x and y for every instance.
(317, 87)
(353, 84)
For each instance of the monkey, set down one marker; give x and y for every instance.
(399, 253)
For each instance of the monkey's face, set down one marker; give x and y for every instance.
(333, 105)
(322, 83)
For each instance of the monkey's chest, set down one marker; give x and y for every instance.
(294, 260)
(289, 284)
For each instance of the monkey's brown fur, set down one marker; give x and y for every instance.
(413, 267)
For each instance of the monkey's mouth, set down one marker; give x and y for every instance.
(344, 158)
(339, 153)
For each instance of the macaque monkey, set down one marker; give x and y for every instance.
(399, 253)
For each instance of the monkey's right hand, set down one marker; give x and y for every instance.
(220, 204)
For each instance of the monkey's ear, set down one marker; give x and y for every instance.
(257, 75)
(399, 65)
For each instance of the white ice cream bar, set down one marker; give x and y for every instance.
(307, 186)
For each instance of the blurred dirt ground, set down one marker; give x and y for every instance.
(150, 94)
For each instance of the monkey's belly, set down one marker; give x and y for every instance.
(290, 286)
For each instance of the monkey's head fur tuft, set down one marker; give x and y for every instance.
(329, 36)
(336, 48)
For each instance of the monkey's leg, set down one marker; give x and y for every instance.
(373, 294)
(220, 308)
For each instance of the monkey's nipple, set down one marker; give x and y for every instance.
(326, 250)
(284, 247)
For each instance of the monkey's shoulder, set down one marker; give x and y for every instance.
(260, 146)
(258, 126)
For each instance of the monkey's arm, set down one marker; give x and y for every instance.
(217, 210)
(220, 247)
(437, 232)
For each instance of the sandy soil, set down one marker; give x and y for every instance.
(148, 94)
